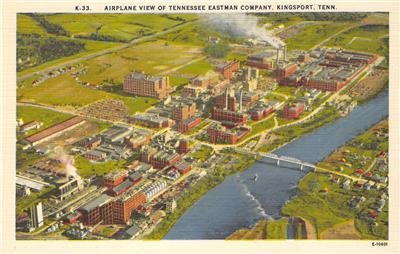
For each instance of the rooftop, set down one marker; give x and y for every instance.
(97, 202)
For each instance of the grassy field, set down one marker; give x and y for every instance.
(260, 126)
(90, 48)
(54, 92)
(285, 20)
(151, 57)
(203, 153)
(27, 25)
(44, 116)
(367, 38)
(87, 168)
(311, 35)
(198, 68)
(122, 27)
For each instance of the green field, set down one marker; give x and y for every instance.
(27, 25)
(44, 116)
(311, 35)
(198, 68)
(87, 168)
(152, 57)
(367, 38)
(90, 47)
(64, 91)
(277, 229)
(121, 27)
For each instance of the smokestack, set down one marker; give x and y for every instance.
(284, 53)
(226, 98)
(241, 101)
(277, 57)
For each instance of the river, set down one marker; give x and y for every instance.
(239, 201)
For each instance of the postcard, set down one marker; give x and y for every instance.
(221, 127)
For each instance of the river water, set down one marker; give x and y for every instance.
(240, 201)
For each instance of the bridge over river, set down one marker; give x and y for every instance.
(280, 161)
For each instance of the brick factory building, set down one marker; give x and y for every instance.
(259, 112)
(138, 139)
(260, 61)
(183, 167)
(219, 134)
(107, 210)
(187, 124)
(114, 178)
(140, 84)
(98, 210)
(204, 81)
(333, 70)
(159, 159)
(227, 115)
(293, 111)
(54, 130)
(124, 205)
(152, 120)
(183, 111)
(285, 71)
(228, 69)
(183, 146)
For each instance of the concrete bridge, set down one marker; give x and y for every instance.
(280, 161)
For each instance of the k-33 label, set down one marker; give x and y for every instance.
(82, 8)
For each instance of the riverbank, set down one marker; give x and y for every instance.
(192, 195)
(182, 230)
(330, 201)
(218, 176)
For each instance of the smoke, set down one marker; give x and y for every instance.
(242, 25)
(67, 162)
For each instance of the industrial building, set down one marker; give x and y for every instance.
(228, 69)
(329, 70)
(152, 120)
(54, 130)
(36, 215)
(260, 111)
(260, 61)
(220, 134)
(158, 158)
(293, 111)
(140, 84)
(183, 110)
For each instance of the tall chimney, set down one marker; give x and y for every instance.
(277, 57)
(284, 53)
(226, 98)
(241, 101)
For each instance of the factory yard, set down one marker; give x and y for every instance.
(129, 139)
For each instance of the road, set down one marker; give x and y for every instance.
(103, 52)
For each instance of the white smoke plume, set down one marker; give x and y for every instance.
(242, 25)
(67, 162)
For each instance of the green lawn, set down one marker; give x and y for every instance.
(65, 91)
(152, 57)
(311, 35)
(261, 126)
(198, 68)
(367, 38)
(27, 25)
(122, 27)
(90, 47)
(44, 116)
(202, 154)
(87, 168)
